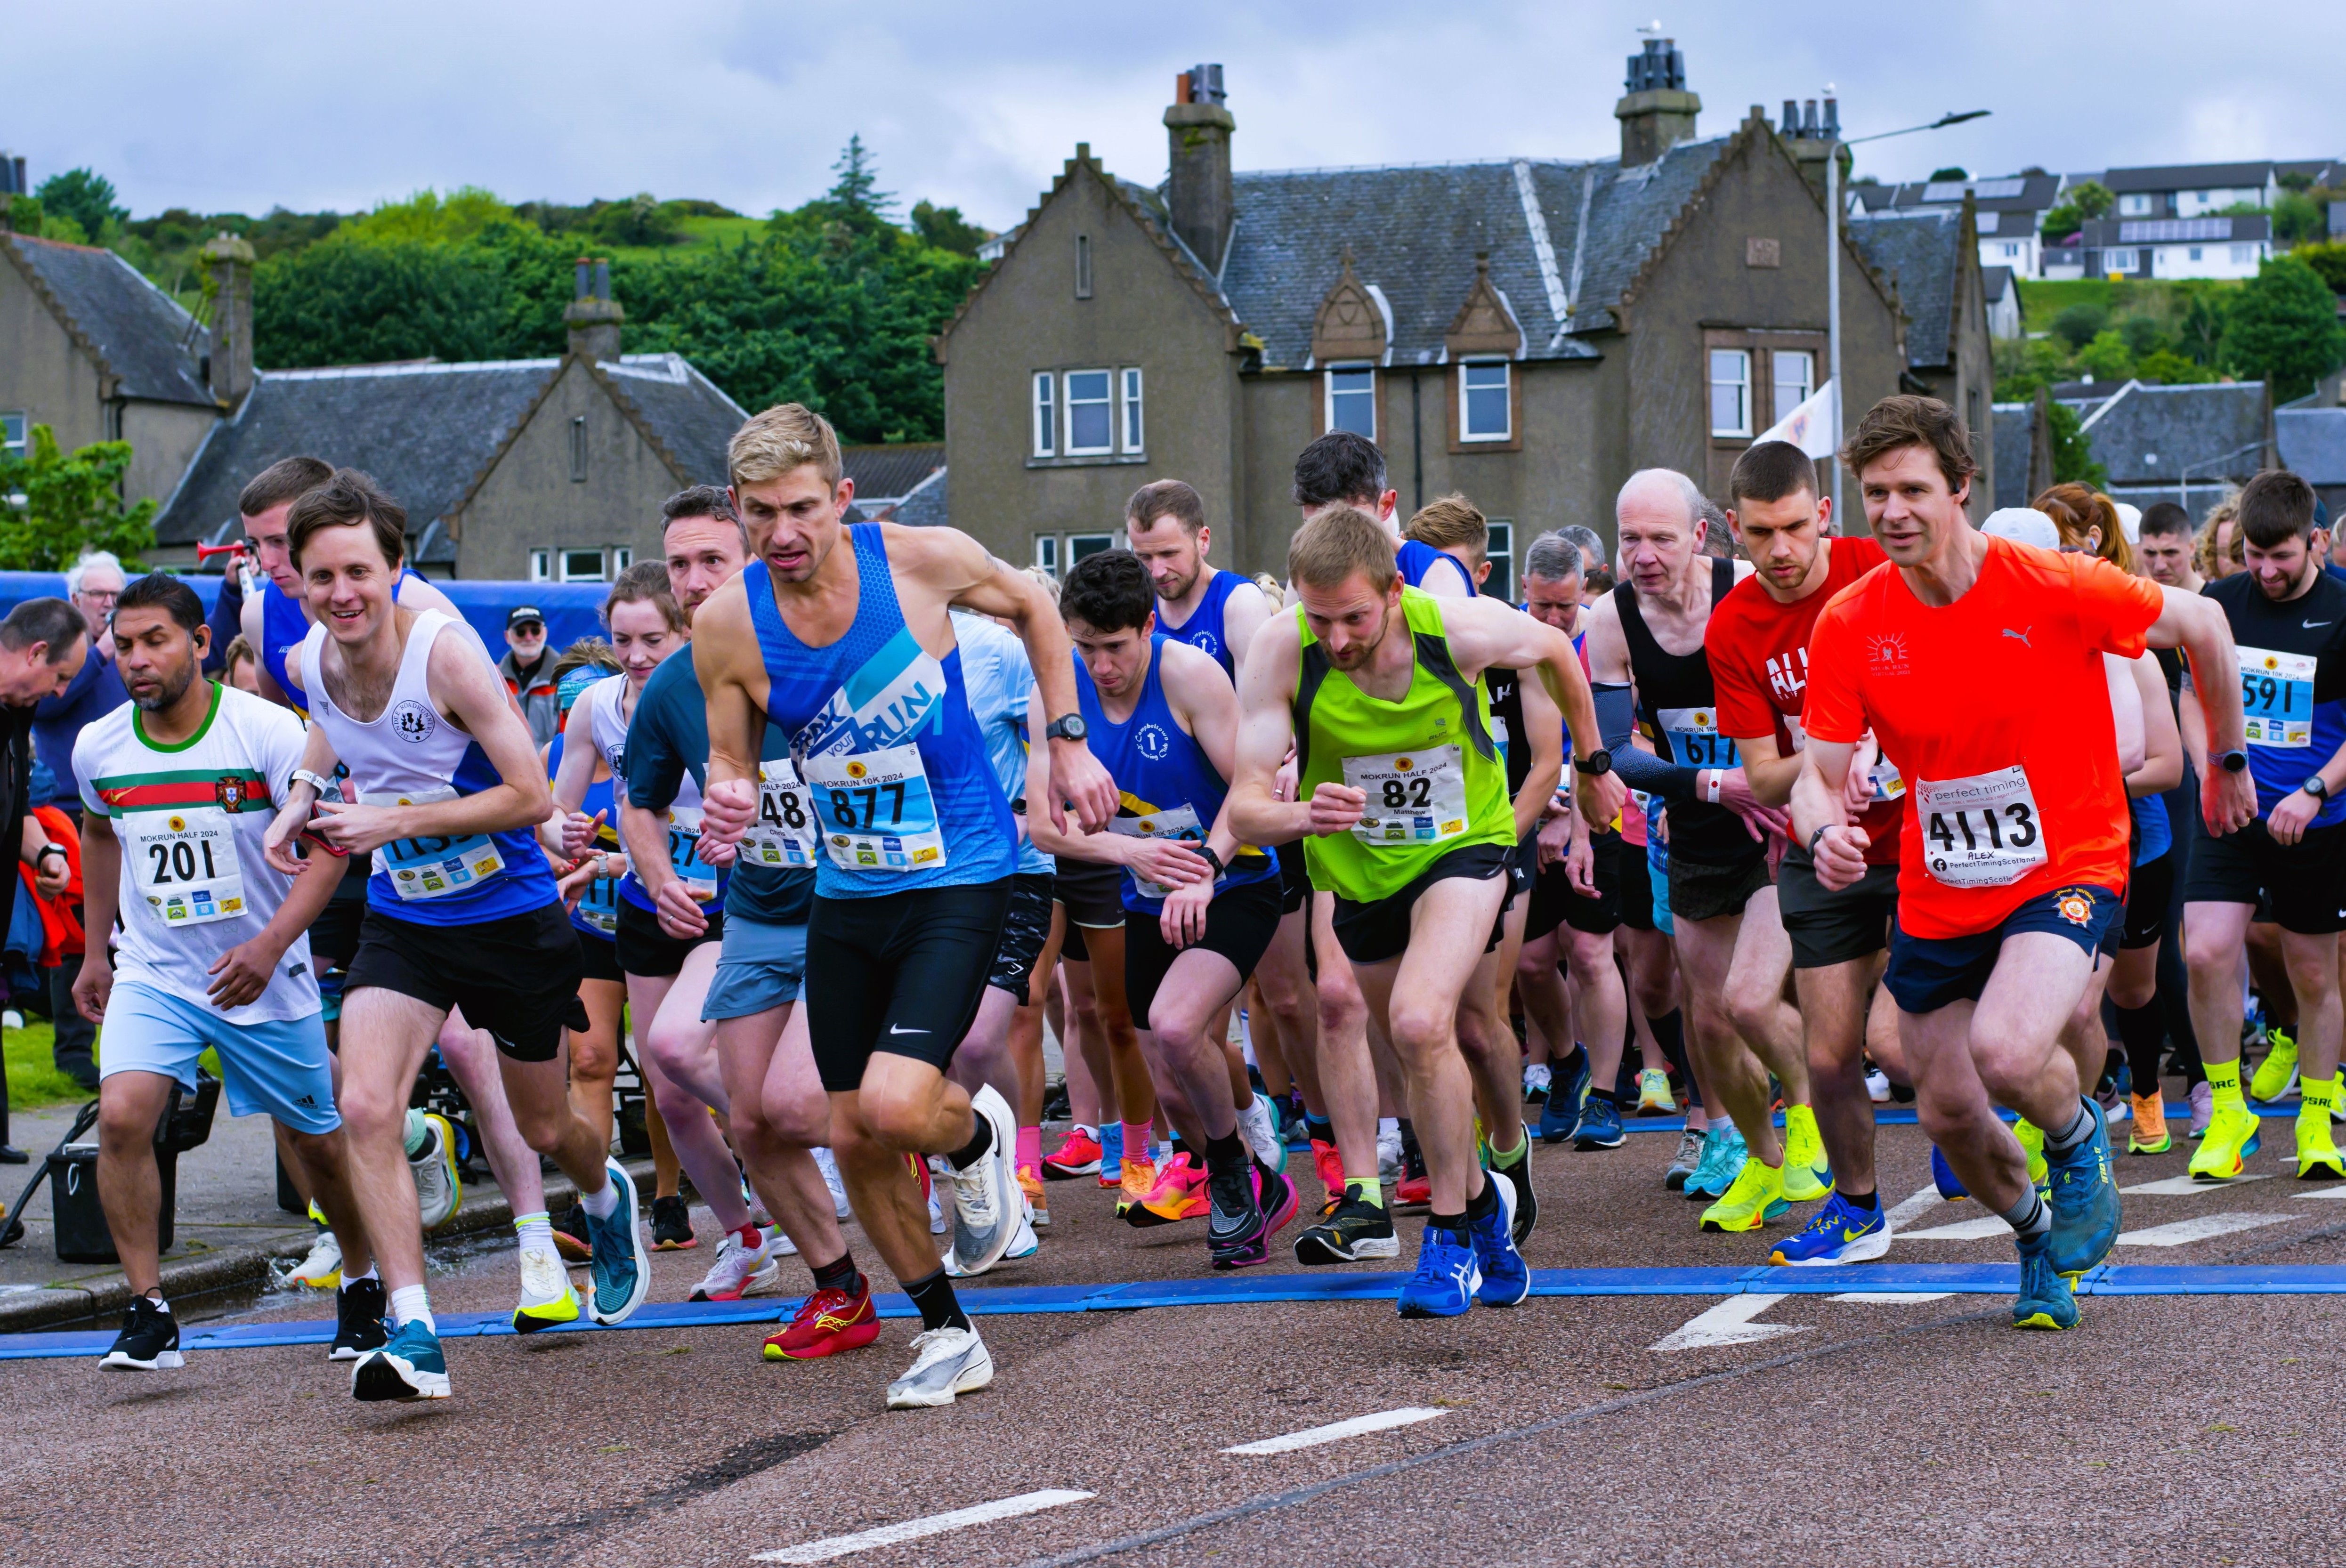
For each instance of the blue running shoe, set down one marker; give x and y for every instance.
(408, 1367)
(1599, 1126)
(1723, 1153)
(1568, 1087)
(1506, 1279)
(2045, 1300)
(1841, 1232)
(1942, 1176)
(1446, 1281)
(622, 1272)
(2085, 1200)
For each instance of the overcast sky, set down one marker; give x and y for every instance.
(241, 104)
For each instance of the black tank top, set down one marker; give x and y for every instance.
(1677, 708)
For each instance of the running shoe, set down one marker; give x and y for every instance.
(827, 1163)
(149, 1339)
(1111, 1142)
(622, 1270)
(826, 1323)
(1506, 1280)
(2148, 1135)
(1350, 1231)
(1599, 1126)
(1329, 1165)
(1877, 1085)
(1570, 1079)
(738, 1270)
(439, 1187)
(1389, 1150)
(2085, 1200)
(358, 1308)
(1518, 1180)
(1724, 1155)
(2031, 1143)
(1536, 1082)
(1557, 1118)
(1807, 1175)
(1942, 1177)
(1415, 1188)
(2202, 1095)
(570, 1235)
(946, 1362)
(2277, 1074)
(1653, 1096)
(1136, 1182)
(1030, 1183)
(1841, 1232)
(2045, 1300)
(1178, 1194)
(672, 1224)
(1259, 1126)
(1248, 1207)
(1756, 1197)
(408, 1367)
(1447, 1278)
(2232, 1137)
(1683, 1164)
(2317, 1146)
(322, 1270)
(1024, 1242)
(1078, 1155)
(986, 1202)
(778, 1243)
(546, 1300)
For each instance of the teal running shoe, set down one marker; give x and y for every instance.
(1723, 1153)
(622, 1275)
(2085, 1200)
(1841, 1232)
(408, 1367)
(2045, 1300)
(1446, 1277)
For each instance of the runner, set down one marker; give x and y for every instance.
(1648, 641)
(463, 909)
(2288, 619)
(1217, 612)
(917, 836)
(175, 785)
(1163, 719)
(1758, 645)
(1976, 661)
(1407, 800)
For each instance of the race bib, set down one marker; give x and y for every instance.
(184, 863)
(1983, 832)
(876, 810)
(1694, 740)
(698, 877)
(784, 833)
(1181, 823)
(599, 906)
(2277, 692)
(434, 867)
(1884, 775)
(1415, 797)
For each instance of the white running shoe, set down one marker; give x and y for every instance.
(1389, 1150)
(1877, 1085)
(937, 1225)
(322, 1268)
(1259, 1127)
(778, 1243)
(1023, 1243)
(739, 1271)
(438, 1186)
(546, 1300)
(945, 1362)
(987, 1202)
(1536, 1079)
(828, 1163)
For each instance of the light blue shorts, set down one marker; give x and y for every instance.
(1657, 866)
(281, 1068)
(758, 967)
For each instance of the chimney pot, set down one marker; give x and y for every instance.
(1656, 112)
(585, 279)
(1792, 131)
(1833, 119)
(594, 318)
(1809, 118)
(602, 280)
(1199, 196)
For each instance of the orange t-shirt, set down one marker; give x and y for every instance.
(1996, 711)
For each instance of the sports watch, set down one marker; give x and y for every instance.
(1595, 764)
(1066, 726)
(317, 781)
(2234, 761)
(2316, 788)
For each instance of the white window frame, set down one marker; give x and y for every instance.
(564, 555)
(1328, 395)
(1777, 384)
(541, 565)
(1080, 545)
(1131, 426)
(1507, 388)
(622, 557)
(1046, 414)
(2135, 203)
(1046, 553)
(1743, 394)
(1067, 405)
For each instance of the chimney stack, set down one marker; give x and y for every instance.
(229, 261)
(1655, 110)
(1198, 193)
(594, 318)
(1810, 140)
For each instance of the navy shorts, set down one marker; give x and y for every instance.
(1927, 973)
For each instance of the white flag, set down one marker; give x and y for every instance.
(1815, 426)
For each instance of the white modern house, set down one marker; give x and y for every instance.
(2010, 208)
(2233, 246)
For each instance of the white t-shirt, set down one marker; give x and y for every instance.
(191, 820)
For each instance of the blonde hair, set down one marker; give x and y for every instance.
(1050, 584)
(240, 651)
(1452, 522)
(2203, 548)
(1327, 551)
(784, 437)
(1270, 585)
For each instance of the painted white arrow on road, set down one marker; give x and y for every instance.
(1728, 1323)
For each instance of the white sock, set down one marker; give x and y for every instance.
(410, 1304)
(417, 1134)
(536, 1231)
(350, 1279)
(601, 1204)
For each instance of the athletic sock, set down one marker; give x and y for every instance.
(1136, 1140)
(2080, 1128)
(1370, 1190)
(1483, 1203)
(2142, 1030)
(1607, 1095)
(2029, 1216)
(417, 1133)
(1226, 1156)
(1508, 1159)
(751, 1236)
(602, 1203)
(2318, 1094)
(412, 1304)
(1866, 1201)
(1030, 1149)
(350, 1279)
(980, 1140)
(1319, 1129)
(536, 1231)
(1456, 1224)
(841, 1276)
(934, 1294)
(2224, 1078)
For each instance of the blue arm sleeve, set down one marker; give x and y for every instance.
(1617, 717)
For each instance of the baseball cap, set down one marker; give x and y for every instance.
(2022, 526)
(522, 613)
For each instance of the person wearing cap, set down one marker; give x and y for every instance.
(528, 671)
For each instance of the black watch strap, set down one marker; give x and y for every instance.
(1213, 859)
(1817, 838)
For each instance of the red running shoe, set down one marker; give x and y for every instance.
(827, 1322)
(1078, 1157)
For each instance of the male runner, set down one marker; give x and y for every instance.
(1372, 685)
(175, 785)
(2288, 625)
(1217, 612)
(2165, 547)
(1976, 662)
(463, 909)
(1758, 645)
(1647, 640)
(842, 637)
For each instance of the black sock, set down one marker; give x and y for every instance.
(1226, 1156)
(1868, 1201)
(2143, 1030)
(934, 1294)
(1605, 1095)
(841, 1276)
(1456, 1224)
(970, 1152)
(1669, 1033)
(1322, 1130)
(1483, 1203)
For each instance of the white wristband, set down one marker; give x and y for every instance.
(1716, 785)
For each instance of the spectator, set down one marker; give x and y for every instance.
(92, 585)
(240, 667)
(529, 670)
(43, 644)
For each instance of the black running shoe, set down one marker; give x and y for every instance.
(149, 1339)
(1352, 1230)
(359, 1310)
(672, 1225)
(1234, 1227)
(570, 1235)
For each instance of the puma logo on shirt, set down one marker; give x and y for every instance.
(2021, 636)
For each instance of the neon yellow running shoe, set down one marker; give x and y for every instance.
(546, 1300)
(2277, 1074)
(2032, 1144)
(2232, 1137)
(2317, 1149)
(1653, 1096)
(1755, 1197)
(1807, 1175)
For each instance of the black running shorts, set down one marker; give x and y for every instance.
(1240, 924)
(517, 976)
(1294, 880)
(1376, 932)
(1093, 892)
(2148, 892)
(2305, 881)
(598, 956)
(1025, 929)
(1828, 927)
(647, 949)
(1554, 903)
(1633, 876)
(898, 973)
(1701, 890)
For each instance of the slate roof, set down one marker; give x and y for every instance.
(2022, 195)
(2152, 434)
(1922, 249)
(883, 473)
(2011, 422)
(683, 408)
(2187, 176)
(1994, 282)
(154, 348)
(925, 506)
(2007, 225)
(2313, 442)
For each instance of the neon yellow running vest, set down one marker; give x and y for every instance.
(1435, 781)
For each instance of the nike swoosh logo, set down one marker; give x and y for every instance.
(900, 1029)
(2313, 625)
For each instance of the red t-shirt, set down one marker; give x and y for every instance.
(1996, 711)
(1759, 652)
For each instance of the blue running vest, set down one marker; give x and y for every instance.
(1203, 629)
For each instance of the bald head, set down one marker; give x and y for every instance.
(1658, 517)
(1663, 493)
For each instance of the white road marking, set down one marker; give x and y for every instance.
(1728, 1323)
(1914, 1208)
(1961, 1230)
(2184, 1232)
(1893, 1297)
(832, 1546)
(2184, 1186)
(2325, 1192)
(1336, 1432)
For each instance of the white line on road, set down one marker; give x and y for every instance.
(1728, 1323)
(2183, 1232)
(1336, 1432)
(832, 1546)
(2326, 1192)
(2184, 1186)
(1893, 1297)
(1915, 1208)
(1961, 1230)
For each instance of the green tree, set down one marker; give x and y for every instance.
(642, 220)
(2298, 216)
(2080, 323)
(2073, 450)
(2088, 201)
(2328, 260)
(857, 190)
(349, 303)
(2105, 358)
(946, 228)
(2165, 367)
(71, 502)
(84, 196)
(1949, 174)
(2282, 327)
(2143, 335)
(2200, 334)
(2024, 364)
